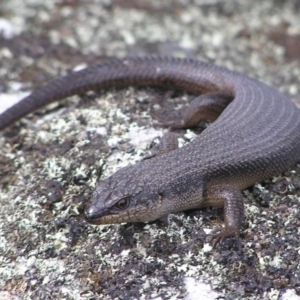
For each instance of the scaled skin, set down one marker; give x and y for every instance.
(256, 136)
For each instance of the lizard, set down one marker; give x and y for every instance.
(255, 134)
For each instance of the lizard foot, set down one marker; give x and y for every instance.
(219, 238)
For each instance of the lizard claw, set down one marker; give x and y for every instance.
(219, 238)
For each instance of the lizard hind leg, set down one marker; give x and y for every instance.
(168, 143)
(204, 107)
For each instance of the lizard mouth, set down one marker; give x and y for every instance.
(95, 216)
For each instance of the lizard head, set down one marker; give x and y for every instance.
(123, 198)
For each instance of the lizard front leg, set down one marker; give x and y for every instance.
(233, 202)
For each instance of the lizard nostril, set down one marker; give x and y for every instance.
(94, 215)
(90, 214)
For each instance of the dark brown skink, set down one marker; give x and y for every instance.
(256, 136)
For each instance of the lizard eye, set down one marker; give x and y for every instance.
(123, 203)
